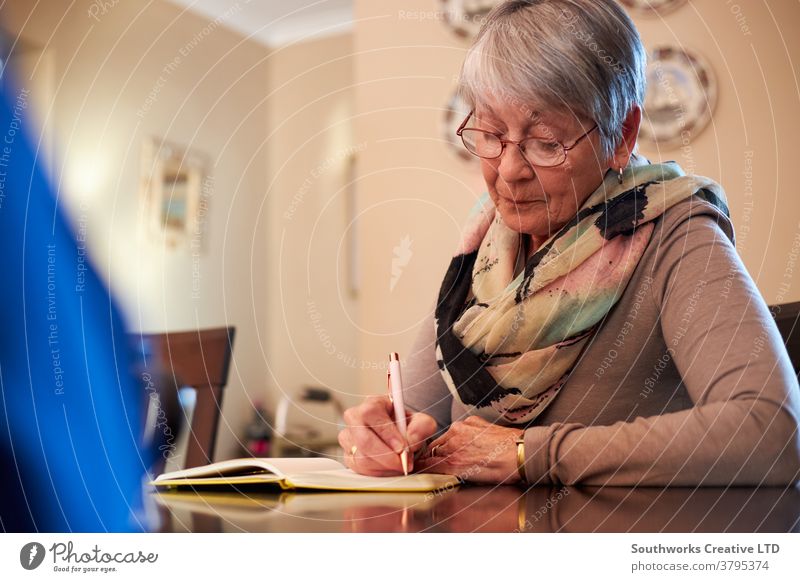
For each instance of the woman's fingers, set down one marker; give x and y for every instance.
(372, 452)
(360, 462)
(378, 419)
(420, 428)
(371, 428)
(375, 413)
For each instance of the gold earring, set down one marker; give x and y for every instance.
(619, 176)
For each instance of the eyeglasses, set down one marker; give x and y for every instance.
(544, 153)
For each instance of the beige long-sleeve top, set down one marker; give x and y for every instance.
(687, 382)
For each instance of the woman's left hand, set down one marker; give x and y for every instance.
(475, 450)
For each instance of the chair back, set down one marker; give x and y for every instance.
(199, 359)
(787, 316)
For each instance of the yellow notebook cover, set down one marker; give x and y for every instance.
(298, 473)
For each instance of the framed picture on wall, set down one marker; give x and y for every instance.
(172, 179)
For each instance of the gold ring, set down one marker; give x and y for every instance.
(353, 450)
(433, 450)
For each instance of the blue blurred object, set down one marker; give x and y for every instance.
(70, 407)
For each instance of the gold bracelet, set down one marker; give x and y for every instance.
(521, 456)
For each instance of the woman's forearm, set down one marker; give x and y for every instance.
(736, 442)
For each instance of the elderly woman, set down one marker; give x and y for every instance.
(596, 325)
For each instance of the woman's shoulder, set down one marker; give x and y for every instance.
(692, 240)
(684, 217)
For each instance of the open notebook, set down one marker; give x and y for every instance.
(292, 473)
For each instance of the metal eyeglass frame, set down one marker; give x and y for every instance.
(503, 142)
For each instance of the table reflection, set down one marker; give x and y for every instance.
(485, 509)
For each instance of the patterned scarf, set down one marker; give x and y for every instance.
(523, 334)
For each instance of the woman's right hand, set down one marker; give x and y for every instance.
(372, 430)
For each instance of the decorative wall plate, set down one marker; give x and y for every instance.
(464, 17)
(653, 7)
(454, 113)
(681, 95)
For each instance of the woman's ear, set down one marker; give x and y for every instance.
(630, 131)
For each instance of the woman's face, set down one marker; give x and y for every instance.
(533, 200)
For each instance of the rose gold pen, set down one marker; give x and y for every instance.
(395, 385)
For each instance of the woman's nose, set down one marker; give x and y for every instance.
(513, 164)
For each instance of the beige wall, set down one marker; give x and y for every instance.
(410, 185)
(313, 325)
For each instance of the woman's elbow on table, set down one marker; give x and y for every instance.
(783, 435)
(766, 447)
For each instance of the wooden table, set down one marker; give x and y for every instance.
(486, 509)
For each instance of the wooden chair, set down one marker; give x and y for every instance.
(199, 359)
(787, 316)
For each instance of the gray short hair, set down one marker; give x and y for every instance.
(585, 56)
